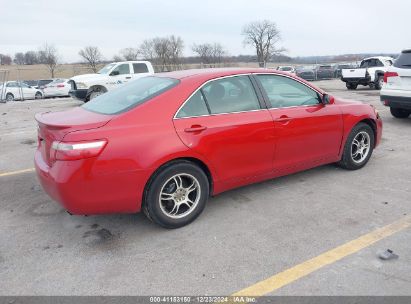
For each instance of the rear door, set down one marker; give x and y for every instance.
(306, 131)
(28, 92)
(225, 122)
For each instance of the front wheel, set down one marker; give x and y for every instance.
(176, 195)
(38, 95)
(400, 113)
(358, 147)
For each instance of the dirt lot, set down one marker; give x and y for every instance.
(244, 236)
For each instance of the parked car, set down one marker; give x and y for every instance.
(306, 72)
(370, 73)
(396, 90)
(289, 69)
(57, 88)
(38, 84)
(340, 67)
(325, 72)
(15, 90)
(113, 75)
(163, 144)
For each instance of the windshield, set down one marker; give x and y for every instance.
(130, 95)
(285, 69)
(107, 68)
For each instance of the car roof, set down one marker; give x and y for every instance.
(379, 57)
(213, 73)
(216, 72)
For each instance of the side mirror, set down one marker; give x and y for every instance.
(325, 100)
(114, 73)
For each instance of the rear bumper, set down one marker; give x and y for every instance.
(80, 94)
(400, 102)
(83, 187)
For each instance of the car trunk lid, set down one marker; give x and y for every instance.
(400, 82)
(53, 126)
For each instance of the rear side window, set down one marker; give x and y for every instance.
(130, 95)
(231, 94)
(140, 68)
(403, 61)
(195, 106)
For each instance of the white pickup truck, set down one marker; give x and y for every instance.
(370, 73)
(88, 86)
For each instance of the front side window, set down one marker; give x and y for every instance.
(285, 92)
(12, 85)
(140, 68)
(130, 95)
(106, 68)
(231, 94)
(122, 69)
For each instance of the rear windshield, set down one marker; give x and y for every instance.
(403, 61)
(130, 95)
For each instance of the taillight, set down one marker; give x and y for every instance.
(60, 85)
(389, 74)
(76, 150)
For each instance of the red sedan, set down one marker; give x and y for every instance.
(165, 143)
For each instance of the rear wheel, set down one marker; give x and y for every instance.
(358, 147)
(176, 195)
(9, 97)
(351, 86)
(379, 82)
(38, 95)
(400, 113)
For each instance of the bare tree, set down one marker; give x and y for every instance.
(147, 49)
(92, 55)
(130, 53)
(175, 49)
(209, 53)
(264, 36)
(19, 59)
(163, 51)
(5, 59)
(117, 58)
(48, 56)
(30, 57)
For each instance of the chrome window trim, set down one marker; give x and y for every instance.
(204, 84)
(244, 74)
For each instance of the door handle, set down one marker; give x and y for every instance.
(128, 77)
(195, 128)
(283, 119)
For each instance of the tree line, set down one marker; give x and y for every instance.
(263, 36)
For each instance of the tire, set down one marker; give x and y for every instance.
(399, 113)
(94, 94)
(363, 135)
(379, 82)
(9, 97)
(38, 95)
(172, 181)
(351, 86)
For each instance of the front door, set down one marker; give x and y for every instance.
(225, 123)
(307, 133)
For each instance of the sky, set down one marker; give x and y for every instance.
(308, 28)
